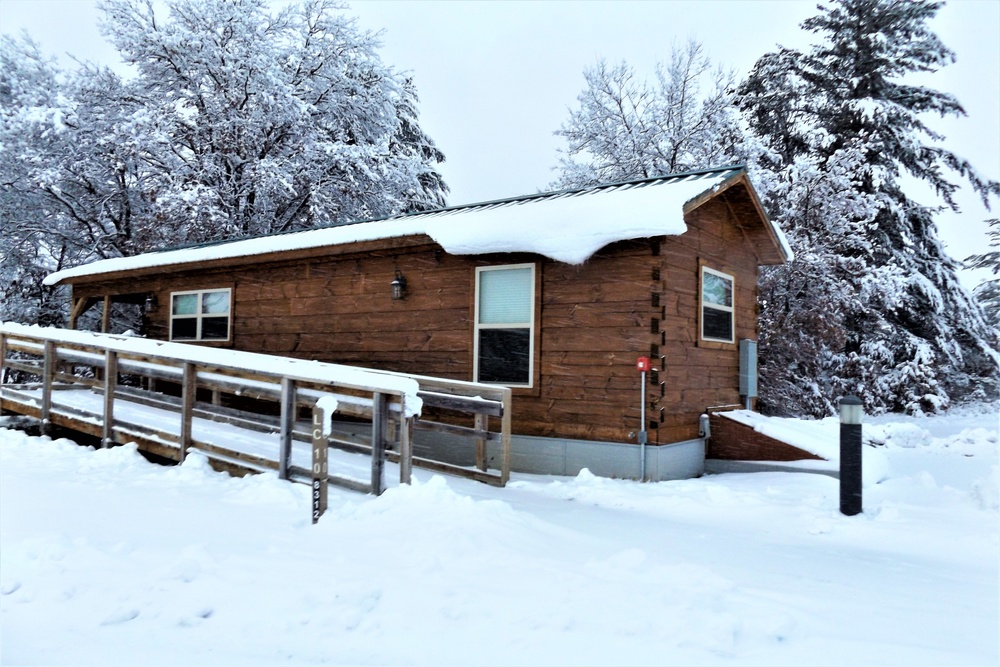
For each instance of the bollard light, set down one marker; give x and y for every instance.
(850, 455)
(851, 410)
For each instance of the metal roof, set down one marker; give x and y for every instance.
(567, 225)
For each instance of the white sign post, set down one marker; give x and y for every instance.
(320, 458)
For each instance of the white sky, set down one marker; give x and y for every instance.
(497, 78)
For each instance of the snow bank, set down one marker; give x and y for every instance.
(986, 491)
(108, 559)
(568, 228)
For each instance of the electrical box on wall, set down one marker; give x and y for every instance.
(748, 368)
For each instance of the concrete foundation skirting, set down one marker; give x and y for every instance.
(723, 466)
(559, 456)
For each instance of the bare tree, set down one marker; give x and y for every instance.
(625, 127)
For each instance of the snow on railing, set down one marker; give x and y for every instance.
(58, 355)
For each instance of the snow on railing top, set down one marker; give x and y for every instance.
(566, 226)
(297, 369)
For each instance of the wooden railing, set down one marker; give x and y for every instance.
(253, 392)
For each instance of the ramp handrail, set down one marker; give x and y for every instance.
(408, 400)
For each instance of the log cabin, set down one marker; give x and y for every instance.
(556, 295)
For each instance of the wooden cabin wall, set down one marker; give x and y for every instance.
(595, 323)
(637, 298)
(696, 374)
(338, 309)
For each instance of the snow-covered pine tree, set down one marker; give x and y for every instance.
(872, 304)
(626, 128)
(987, 293)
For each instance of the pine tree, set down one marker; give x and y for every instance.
(842, 127)
(987, 293)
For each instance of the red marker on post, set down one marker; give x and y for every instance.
(642, 365)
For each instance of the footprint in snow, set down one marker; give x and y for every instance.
(196, 619)
(120, 616)
(820, 527)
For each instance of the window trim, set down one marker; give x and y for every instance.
(530, 325)
(702, 304)
(198, 316)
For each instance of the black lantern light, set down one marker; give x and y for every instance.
(151, 303)
(398, 285)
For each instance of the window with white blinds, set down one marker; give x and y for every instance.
(505, 335)
(717, 290)
(200, 315)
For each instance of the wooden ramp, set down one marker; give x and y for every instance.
(733, 439)
(246, 412)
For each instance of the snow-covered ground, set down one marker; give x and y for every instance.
(108, 559)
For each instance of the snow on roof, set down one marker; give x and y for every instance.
(564, 226)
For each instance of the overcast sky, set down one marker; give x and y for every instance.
(496, 79)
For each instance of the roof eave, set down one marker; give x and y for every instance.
(742, 178)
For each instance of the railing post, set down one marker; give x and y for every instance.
(405, 443)
(505, 423)
(288, 414)
(482, 423)
(380, 419)
(110, 383)
(48, 372)
(3, 366)
(188, 391)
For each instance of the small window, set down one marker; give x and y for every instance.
(505, 334)
(201, 315)
(717, 306)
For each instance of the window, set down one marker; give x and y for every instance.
(505, 332)
(716, 306)
(200, 315)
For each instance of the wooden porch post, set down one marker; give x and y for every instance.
(106, 315)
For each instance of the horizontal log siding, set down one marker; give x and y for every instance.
(595, 320)
(698, 375)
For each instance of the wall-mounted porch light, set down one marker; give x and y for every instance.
(151, 303)
(398, 285)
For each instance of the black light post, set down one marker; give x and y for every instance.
(851, 413)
